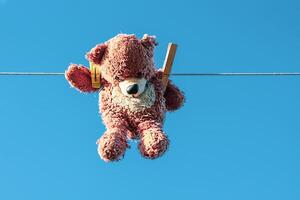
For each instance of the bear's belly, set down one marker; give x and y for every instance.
(134, 104)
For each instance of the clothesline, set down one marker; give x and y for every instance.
(173, 74)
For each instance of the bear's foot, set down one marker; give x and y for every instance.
(154, 143)
(112, 145)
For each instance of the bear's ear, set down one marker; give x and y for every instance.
(149, 41)
(95, 55)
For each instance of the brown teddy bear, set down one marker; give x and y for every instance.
(132, 100)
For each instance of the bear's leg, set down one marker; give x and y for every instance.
(113, 143)
(153, 141)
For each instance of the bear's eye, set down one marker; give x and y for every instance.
(117, 79)
(139, 74)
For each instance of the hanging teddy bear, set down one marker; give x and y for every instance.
(132, 100)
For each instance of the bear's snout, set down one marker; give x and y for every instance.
(133, 87)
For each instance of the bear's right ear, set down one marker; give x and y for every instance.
(95, 55)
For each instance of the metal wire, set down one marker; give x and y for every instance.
(173, 74)
(240, 74)
(31, 73)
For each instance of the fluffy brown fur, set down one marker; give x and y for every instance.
(121, 58)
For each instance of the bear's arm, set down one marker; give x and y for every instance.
(79, 77)
(173, 96)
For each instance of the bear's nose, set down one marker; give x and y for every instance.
(132, 89)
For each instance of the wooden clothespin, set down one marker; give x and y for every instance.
(95, 75)
(168, 63)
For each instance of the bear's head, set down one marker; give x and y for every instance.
(125, 61)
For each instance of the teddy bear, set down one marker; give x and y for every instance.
(132, 98)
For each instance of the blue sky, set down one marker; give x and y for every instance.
(236, 137)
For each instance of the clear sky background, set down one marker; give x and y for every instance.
(235, 138)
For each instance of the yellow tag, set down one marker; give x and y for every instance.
(95, 75)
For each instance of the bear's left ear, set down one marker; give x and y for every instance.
(149, 41)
